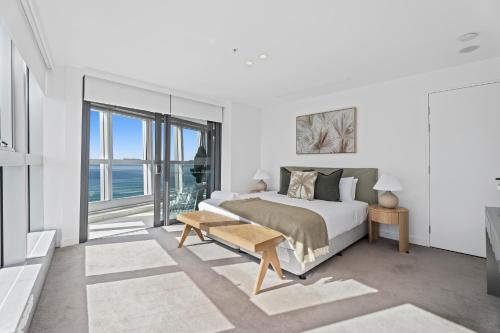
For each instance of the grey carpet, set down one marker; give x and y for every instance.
(202, 288)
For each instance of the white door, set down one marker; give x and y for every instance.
(464, 160)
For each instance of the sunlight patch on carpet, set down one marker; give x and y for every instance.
(124, 257)
(110, 229)
(160, 303)
(403, 318)
(276, 299)
(173, 228)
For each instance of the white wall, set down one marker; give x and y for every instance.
(62, 149)
(241, 147)
(391, 133)
(14, 21)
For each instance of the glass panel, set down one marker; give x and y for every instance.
(94, 182)
(188, 180)
(95, 136)
(5, 90)
(175, 143)
(35, 100)
(35, 197)
(127, 180)
(127, 138)
(191, 143)
(184, 191)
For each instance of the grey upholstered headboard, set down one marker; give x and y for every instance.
(367, 177)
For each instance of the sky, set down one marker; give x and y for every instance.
(127, 138)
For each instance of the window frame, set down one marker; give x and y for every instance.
(8, 144)
(106, 160)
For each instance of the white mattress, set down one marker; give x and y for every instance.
(339, 217)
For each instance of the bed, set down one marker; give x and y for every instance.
(345, 221)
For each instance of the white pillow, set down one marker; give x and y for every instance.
(347, 188)
(354, 184)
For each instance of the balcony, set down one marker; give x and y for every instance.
(131, 215)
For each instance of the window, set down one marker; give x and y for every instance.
(35, 148)
(189, 167)
(128, 141)
(6, 119)
(99, 164)
(95, 134)
(120, 159)
(1, 217)
(127, 180)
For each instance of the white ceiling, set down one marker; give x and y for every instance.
(314, 47)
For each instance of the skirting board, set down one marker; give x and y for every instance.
(395, 236)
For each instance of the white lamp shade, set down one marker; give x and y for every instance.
(388, 183)
(261, 174)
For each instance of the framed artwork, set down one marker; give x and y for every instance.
(331, 132)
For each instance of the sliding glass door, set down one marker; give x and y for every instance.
(190, 166)
(137, 160)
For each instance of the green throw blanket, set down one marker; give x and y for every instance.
(303, 228)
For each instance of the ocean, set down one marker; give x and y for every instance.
(128, 181)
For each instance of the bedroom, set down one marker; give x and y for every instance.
(94, 86)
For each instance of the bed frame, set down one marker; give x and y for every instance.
(367, 177)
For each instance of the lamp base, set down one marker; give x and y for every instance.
(388, 200)
(260, 186)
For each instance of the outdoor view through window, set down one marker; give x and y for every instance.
(121, 157)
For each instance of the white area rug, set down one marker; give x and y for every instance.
(276, 299)
(403, 318)
(160, 303)
(124, 257)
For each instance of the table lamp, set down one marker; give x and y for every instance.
(388, 183)
(260, 175)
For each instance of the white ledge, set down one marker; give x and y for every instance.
(20, 286)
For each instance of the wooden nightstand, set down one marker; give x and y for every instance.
(378, 214)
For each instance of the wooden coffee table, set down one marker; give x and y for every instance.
(251, 237)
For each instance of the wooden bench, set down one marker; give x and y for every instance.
(250, 237)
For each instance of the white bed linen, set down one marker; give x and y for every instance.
(339, 217)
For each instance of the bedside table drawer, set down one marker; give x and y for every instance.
(384, 216)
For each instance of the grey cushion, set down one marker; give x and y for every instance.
(285, 175)
(327, 186)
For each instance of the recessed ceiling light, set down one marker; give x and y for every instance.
(469, 49)
(263, 56)
(468, 37)
(249, 63)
